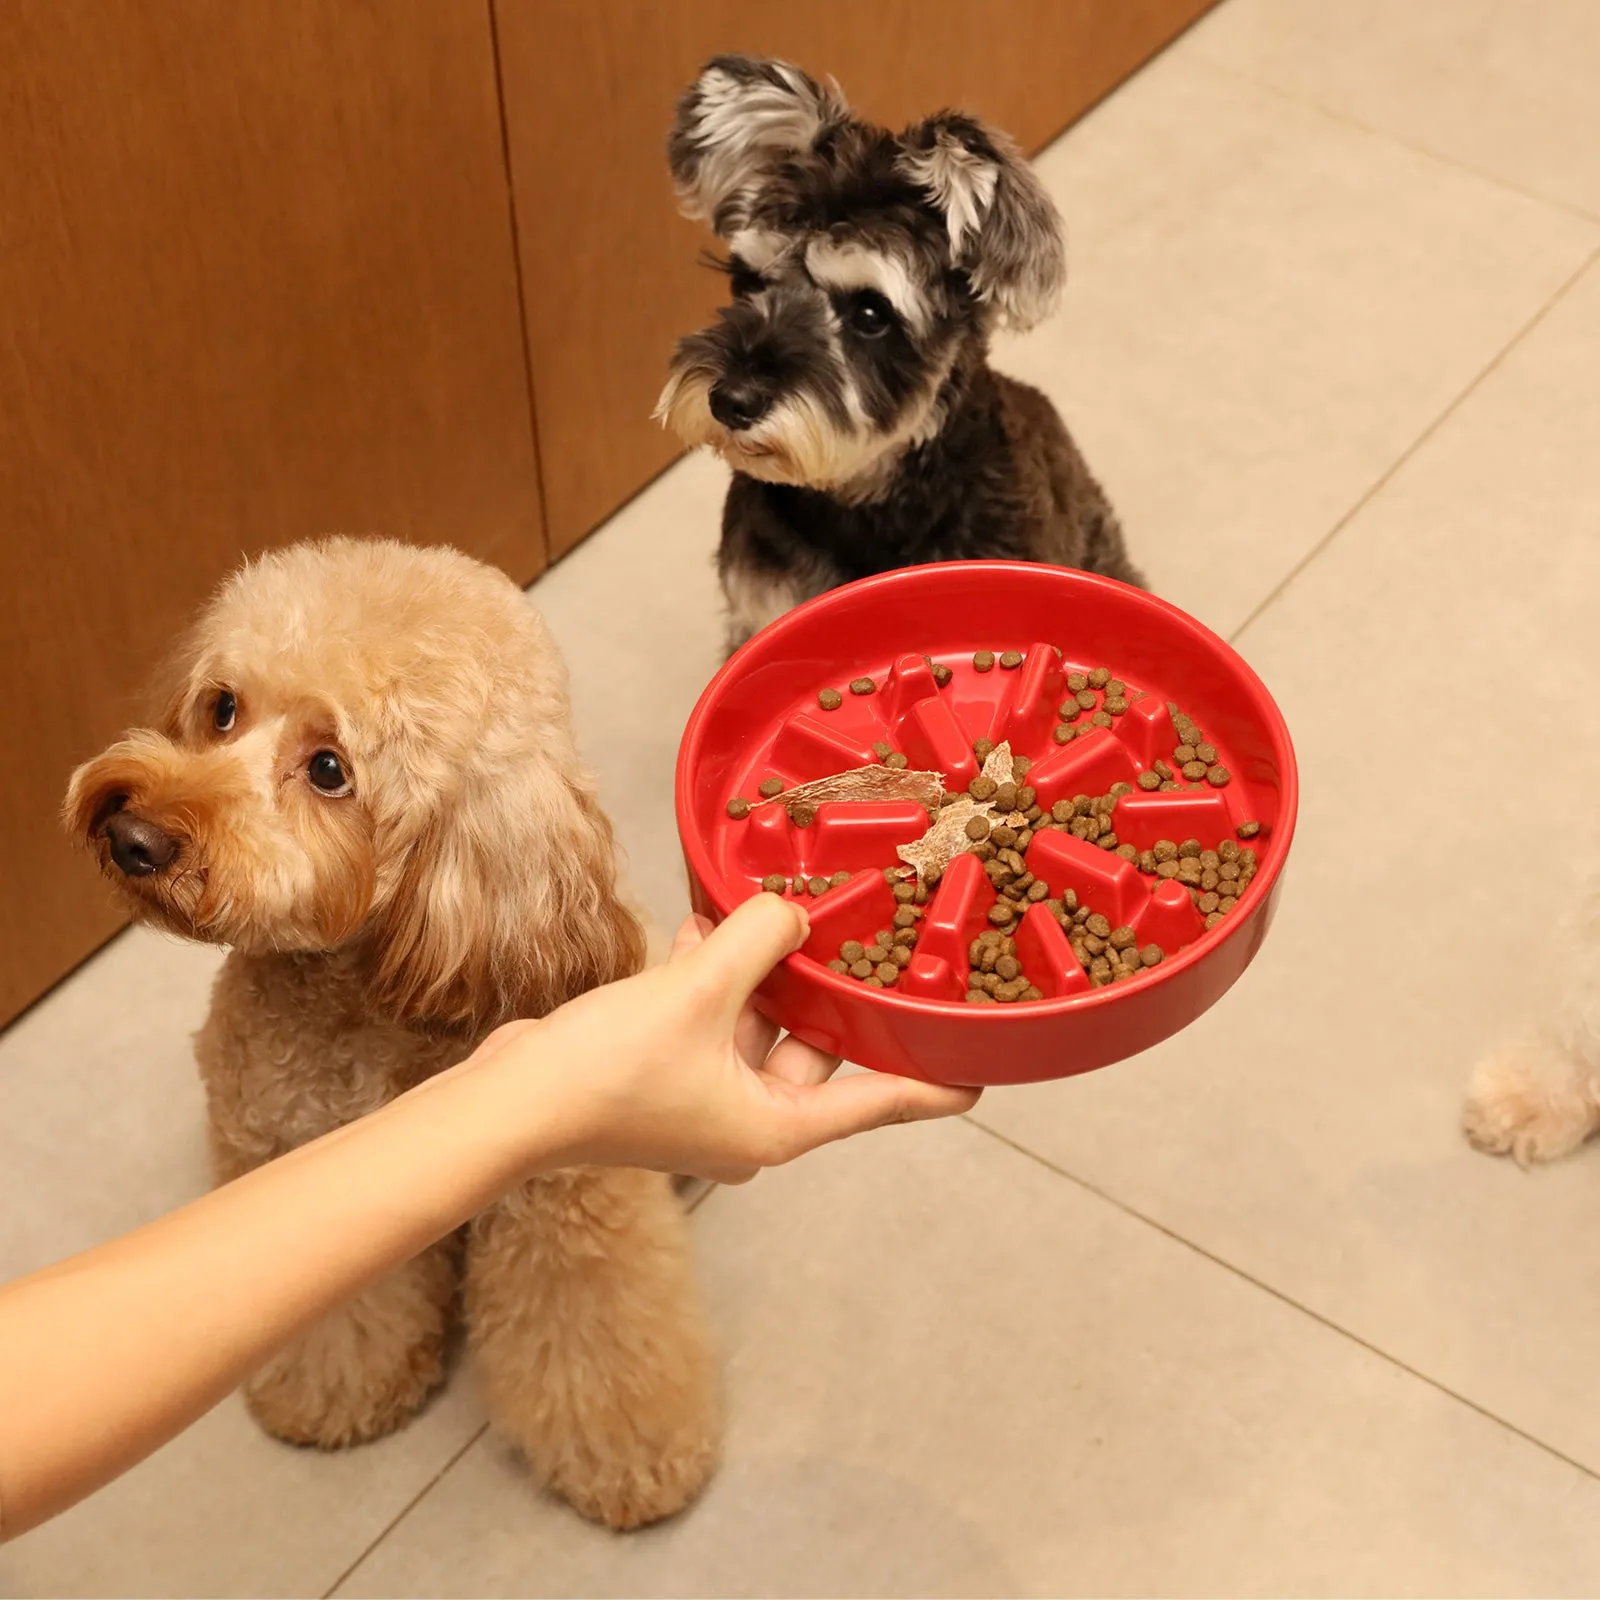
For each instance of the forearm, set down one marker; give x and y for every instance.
(106, 1356)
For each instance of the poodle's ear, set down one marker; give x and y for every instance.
(506, 905)
(739, 118)
(1005, 232)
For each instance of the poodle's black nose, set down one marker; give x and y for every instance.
(138, 847)
(738, 404)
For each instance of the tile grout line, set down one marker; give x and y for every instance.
(404, 1512)
(1389, 473)
(1283, 1298)
(1347, 119)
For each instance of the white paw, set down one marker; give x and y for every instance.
(1531, 1102)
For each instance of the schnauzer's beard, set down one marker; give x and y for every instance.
(243, 875)
(798, 442)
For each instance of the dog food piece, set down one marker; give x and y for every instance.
(1189, 872)
(861, 968)
(941, 673)
(1123, 938)
(887, 973)
(829, 699)
(1069, 709)
(1077, 682)
(1149, 780)
(1167, 869)
(1151, 955)
(874, 982)
(802, 816)
(1206, 753)
(1107, 841)
(1115, 687)
(1227, 903)
(1194, 771)
(902, 936)
(1217, 776)
(1213, 920)
(1011, 659)
(1145, 861)
(906, 917)
(818, 886)
(1001, 914)
(878, 950)
(1116, 704)
(903, 892)
(1209, 876)
(1099, 926)
(983, 749)
(738, 808)
(1172, 788)
(983, 660)
(880, 749)
(852, 950)
(774, 884)
(1005, 796)
(1189, 848)
(1025, 797)
(982, 788)
(1086, 699)
(1020, 766)
(1100, 967)
(1038, 890)
(841, 967)
(1063, 734)
(1007, 967)
(838, 880)
(977, 997)
(1003, 835)
(1024, 838)
(1101, 719)
(1184, 754)
(862, 686)
(770, 788)
(895, 761)
(1099, 677)
(1228, 871)
(1165, 850)
(1208, 902)
(1228, 850)
(1248, 830)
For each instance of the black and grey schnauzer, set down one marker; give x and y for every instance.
(848, 384)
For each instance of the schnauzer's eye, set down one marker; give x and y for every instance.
(327, 774)
(744, 281)
(224, 711)
(869, 314)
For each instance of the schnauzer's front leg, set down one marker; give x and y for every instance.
(590, 1341)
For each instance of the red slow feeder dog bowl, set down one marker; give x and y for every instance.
(760, 718)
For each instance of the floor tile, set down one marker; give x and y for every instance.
(1507, 90)
(952, 1372)
(1265, 307)
(1437, 665)
(102, 1129)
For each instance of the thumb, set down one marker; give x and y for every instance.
(738, 953)
(844, 1106)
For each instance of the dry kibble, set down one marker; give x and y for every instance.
(982, 748)
(829, 699)
(1163, 771)
(1247, 859)
(1206, 753)
(836, 965)
(904, 893)
(1128, 852)
(880, 749)
(1123, 938)
(906, 917)
(738, 808)
(1003, 835)
(1101, 719)
(838, 880)
(1099, 926)
(1218, 776)
(1063, 811)
(1099, 677)
(874, 982)
(1189, 872)
(852, 950)
(1228, 871)
(1086, 699)
(949, 797)
(1227, 903)
(887, 973)
(1172, 788)
(1166, 869)
(1209, 876)
(1038, 890)
(1024, 838)
(774, 883)
(1077, 682)
(1025, 797)
(1165, 850)
(977, 997)
(1010, 659)
(1001, 914)
(861, 968)
(862, 686)
(1190, 848)
(1100, 968)
(817, 886)
(895, 760)
(1116, 704)
(1007, 967)
(1194, 771)
(903, 936)
(1151, 955)
(878, 950)
(1115, 686)
(1146, 861)
(1149, 780)
(977, 828)
(1209, 902)
(1031, 993)
(1107, 841)
(983, 660)
(982, 788)
(1005, 797)
(984, 851)
(1063, 734)
(1228, 850)
(1068, 709)
(1248, 830)
(802, 816)
(941, 673)
(770, 788)
(1213, 920)
(1184, 754)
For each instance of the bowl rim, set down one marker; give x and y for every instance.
(807, 969)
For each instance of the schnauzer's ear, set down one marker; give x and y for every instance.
(506, 905)
(1005, 232)
(740, 117)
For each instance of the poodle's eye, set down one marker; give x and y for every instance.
(327, 774)
(224, 711)
(744, 280)
(869, 314)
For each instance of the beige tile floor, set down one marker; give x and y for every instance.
(1243, 1315)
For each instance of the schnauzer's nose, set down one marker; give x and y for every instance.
(139, 847)
(736, 403)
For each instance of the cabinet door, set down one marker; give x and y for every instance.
(610, 270)
(257, 281)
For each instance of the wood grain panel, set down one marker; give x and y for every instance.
(609, 268)
(257, 281)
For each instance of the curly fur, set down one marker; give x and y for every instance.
(1538, 1097)
(467, 878)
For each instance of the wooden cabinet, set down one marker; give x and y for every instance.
(611, 270)
(257, 281)
(270, 268)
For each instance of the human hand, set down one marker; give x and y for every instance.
(677, 1071)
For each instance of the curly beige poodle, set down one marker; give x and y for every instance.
(365, 784)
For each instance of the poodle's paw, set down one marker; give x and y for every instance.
(306, 1402)
(630, 1490)
(1531, 1102)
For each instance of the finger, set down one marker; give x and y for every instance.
(754, 1037)
(801, 1064)
(691, 935)
(846, 1106)
(749, 943)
